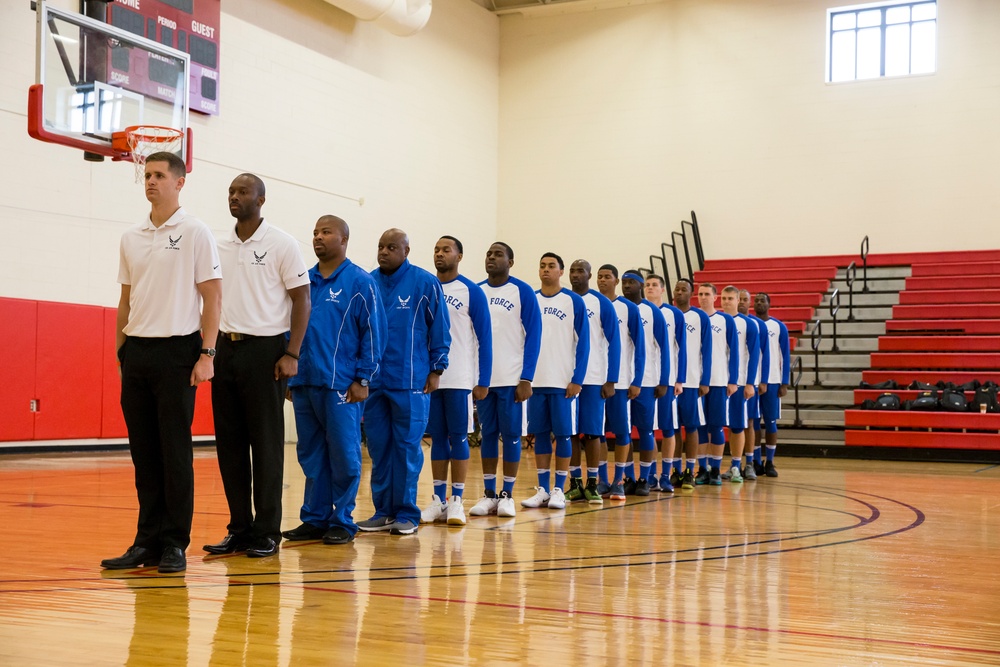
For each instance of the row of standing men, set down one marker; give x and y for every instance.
(406, 352)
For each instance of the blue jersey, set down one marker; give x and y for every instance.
(725, 359)
(517, 331)
(345, 338)
(654, 329)
(748, 349)
(605, 344)
(470, 358)
(677, 338)
(777, 354)
(699, 348)
(565, 347)
(418, 326)
(633, 344)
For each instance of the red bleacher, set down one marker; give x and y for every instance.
(943, 330)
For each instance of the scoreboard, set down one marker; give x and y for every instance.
(191, 26)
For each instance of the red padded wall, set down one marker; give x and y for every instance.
(112, 422)
(69, 362)
(17, 358)
(203, 421)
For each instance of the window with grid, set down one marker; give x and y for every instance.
(872, 41)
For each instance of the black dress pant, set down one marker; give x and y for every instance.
(158, 404)
(250, 432)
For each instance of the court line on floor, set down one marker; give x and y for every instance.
(670, 621)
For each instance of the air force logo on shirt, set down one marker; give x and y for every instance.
(404, 304)
(173, 242)
(333, 295)
(258, 260)
(554, 312)
(503, 303)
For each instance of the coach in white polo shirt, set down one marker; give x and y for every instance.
(266, 297)
(171, 295)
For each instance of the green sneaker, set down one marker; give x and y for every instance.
(592, 494)
(575, 490)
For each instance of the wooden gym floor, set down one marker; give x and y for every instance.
(833, 563)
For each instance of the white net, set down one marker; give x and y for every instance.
(144, 140)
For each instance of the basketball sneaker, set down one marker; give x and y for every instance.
(701, 478)
(676, 479)
(376, 524)
(575, 490)
(734, 476)
(434, 512)
(641, 487)
(665, 485)
(455, 512)
(592, 492)
(654, 483)
(629, 484)
(770, 470)
(557, 500)
(603, 489)
(487, 505)
(617, 492)
(714, 478)
(505, 505)
(749, 474)
(540, 499)
(758, 468)
(687, 481)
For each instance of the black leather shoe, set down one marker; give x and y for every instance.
(231, 543)
(172, 560)
(306, 531)
(134, 557)
(262, 548)
(338, 535)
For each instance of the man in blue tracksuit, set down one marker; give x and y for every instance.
(340, 355)
(396, 413)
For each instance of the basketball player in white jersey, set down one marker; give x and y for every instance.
(562, 366)
(722, 385)
(775, 376)
(603, 367)
(690, 408)
(752, 446)
(631, 367)
(470, 363)
(517, 333)
(666, 407)
(747, 351)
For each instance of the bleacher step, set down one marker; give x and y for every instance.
(877, 272)
(872, 299)
(830, 397)
(846, 344)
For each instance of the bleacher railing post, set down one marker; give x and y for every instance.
(687, 255)
(864, 259)
(817, 338)
(697, 241)
(834, 309)
(796, 379)
(852, 274)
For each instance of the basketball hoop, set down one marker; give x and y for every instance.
(138, 142)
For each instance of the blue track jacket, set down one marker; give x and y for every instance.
(419, 327)
(345, 339)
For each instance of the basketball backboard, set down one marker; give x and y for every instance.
(93, 80)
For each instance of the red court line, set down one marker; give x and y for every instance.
(635, 617)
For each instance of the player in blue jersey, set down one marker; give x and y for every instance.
(690, 405)
(562, 366)
(722, 385)
(775, 377)
(666, 407)
(748, 352)
(632, 364)
(396, 412)
(470, 361)
(340, 355)
(517, 333)
(603, 368)
(654, 382)
(753, 432)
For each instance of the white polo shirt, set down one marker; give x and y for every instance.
(163, 267)
(259, 272)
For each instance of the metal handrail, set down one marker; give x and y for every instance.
(677, 263)
(697, 240)
(796, 379)
(864, 259)
(852, 274)
(687, 256)
(834, 309)
(817, 338)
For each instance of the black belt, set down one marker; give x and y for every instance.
(237, 336)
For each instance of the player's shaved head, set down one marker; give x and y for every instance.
(393, 247)
(336, 223)
(257, 183)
